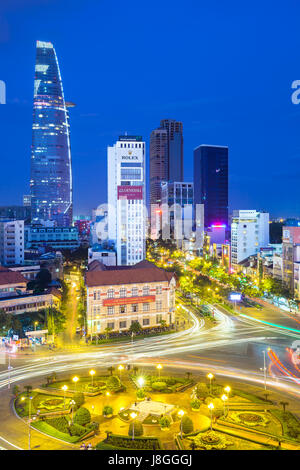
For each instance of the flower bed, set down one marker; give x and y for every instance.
(249, 418)
(115, 441)
(209, 441)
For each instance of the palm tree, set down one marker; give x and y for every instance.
(110, 370)
(135, 369)
(28, 389)
(16, 390)
(188, 374)
(107, 331)
(284, 404)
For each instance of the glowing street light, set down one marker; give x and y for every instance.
(75, 380)
(227, 389)
(120, 368)
(92, 373)
(180, 414)
(211, 407)
(64, 388)
(141, 381)
(133, 415)
(224, 398)
(72, 403)
(159, 368)
(210, 376)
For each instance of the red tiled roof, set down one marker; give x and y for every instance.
(11, 277)
(140, 273)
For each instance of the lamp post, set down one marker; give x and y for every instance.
(64, 388)
(181, 414)
(210, 376)
(133, 415)
(141, 381)
(92, 373)
(9, 368)
(35, 325)
(224, 398)
(159, 368)
(75, 380)
(120, 368)
(265, 370)
(211, 406)
(72, 403)
(29, 421)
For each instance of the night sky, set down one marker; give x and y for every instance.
(222, 68)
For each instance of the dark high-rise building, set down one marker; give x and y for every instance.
(211, 183)
(166, 156)
(51, 166)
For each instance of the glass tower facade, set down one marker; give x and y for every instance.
(51, 166)
(211, 183)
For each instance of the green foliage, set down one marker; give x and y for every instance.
(135, 327)
(138, 428)
(107, 410)
(82, 417)
(202, 390)
(77, 430)
(93, 426)
(187, 425)
(16, 390)
(140, 393)
(159, 386)
(195, 404)
(165, 422)
(113, 382)
(114, 441)
(61, 424)
(79, 399)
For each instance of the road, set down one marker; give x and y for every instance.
(233, 348)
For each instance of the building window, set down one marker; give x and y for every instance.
(146, 307)
(123, 292)
(158, 290)
(135, 308)
(159, 305)
(122, 308)
(134, 292)
(110, 294)
(158, 318)
(146, 321)
(145, 290)
(111, 326)
(111, 310)
(123, 324)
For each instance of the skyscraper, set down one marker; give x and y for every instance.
(126, 198)
(211, 183)
(166, 156)
(51, 166)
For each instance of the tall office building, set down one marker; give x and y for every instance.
(51, 167)
(11, 242)
(166, 156)
(249, 233)
(126, 198)
(211, 183)
(177, 210)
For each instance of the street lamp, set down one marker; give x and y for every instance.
(92, 373)
(120, 368)
(159, 368)
(75, 380)
(180, 414)
(9, 368)
(224, 398)
(227, 389)
(210, 376)
(133, 415)
(141, 381)
(211, 406)
(264, 369)
(64, 388)
(35, 325)
(29, 421)
(72, 403)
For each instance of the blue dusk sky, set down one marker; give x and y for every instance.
(223, 68)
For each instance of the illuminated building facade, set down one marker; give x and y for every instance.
(51, 167)
(126, 199)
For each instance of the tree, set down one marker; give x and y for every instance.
(16, 390)
(107, 331)
(135, 327)
(202, 390)
(107, 410)
(28, 389)
(187, 425)
(284, 404)
(6, 323)
(135, 369)
(43, 278)
(82, 417)
(138, 428)
(165, 422)
(113, 382)
(111, 370)
(188, 375)
(79, 399)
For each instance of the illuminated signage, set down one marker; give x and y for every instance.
(235, 297)
(130, 192)
(129, 300)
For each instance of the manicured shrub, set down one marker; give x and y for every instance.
(79, 399)
(93, 426)
(201, 390)
(138, 428)
(61, 424)
(165, 422)
(113, 382)
(159, 386)
(77, 430)
(82, 417)
(140, 393)
(107, 410)
(187, 425)
(195, 404)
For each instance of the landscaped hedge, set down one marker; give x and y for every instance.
(115, 441)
